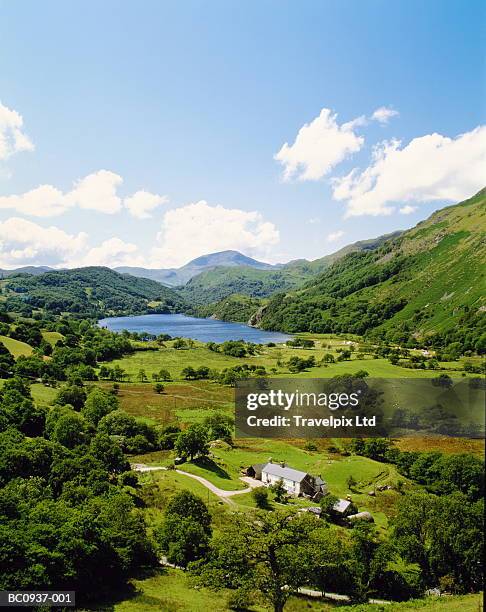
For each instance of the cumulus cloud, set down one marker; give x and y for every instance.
(12, 137)
(319, 147)
(384, 114)
(407, 210)
(112, 252)
(197, 229)
(142, 203)
(430, 168)
(335, 236)
(23, 242)
(97, 191)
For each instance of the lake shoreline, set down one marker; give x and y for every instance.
(196, 328)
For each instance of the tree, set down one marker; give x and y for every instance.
(106, 450)
(165, 375)
(269, 550)
(73, 395)
(279, 491)
(159, 388)
(186, 529)
(193, 442)
(220, 427)
(70, 430)
(98, 404)
(189, 373)
(260, 495)
(142, 376)
(351, 482)
(327, 504)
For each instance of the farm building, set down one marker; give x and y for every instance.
(255, 471)
(295, 482)
(343, 508)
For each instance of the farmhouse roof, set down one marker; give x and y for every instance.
(274, 469)
(341, 505)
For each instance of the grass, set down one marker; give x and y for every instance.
(461, 603)
(52, 337)
(170, 590)
(43, 395)
(175, 360)
(226, 465)
(16, 347)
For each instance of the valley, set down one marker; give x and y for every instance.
(159, 375)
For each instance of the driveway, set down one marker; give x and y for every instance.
(221, 493)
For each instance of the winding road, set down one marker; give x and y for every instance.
(221, 493)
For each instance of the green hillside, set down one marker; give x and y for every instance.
(91, 291)
(235, 307)
(426, 284)
(222, 281)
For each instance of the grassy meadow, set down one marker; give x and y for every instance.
(273, 359)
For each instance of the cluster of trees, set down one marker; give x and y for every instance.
(300, 343)
(234, 348)
(69, 516)
(89, 292)
(272, 554)
(440, 473)
(194, 441)
(299, 364)
(227, 376)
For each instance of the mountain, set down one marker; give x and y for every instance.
(179, 276)
(427, 283)
(220, 282)
(237, 308)
(32, 270)
(91, 291)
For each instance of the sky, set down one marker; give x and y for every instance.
(150, 132)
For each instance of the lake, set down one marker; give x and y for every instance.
(204, 330)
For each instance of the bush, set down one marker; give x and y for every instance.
(260, 495)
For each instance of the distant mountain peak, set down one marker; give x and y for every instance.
(226, 258)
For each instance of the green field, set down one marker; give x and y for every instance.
(16, 347)
(52, 337)
(170, 590)
(175, 360)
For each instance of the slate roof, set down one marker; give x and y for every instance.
(341, 505)
(275, 469)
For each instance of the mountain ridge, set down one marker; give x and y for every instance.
(426, 284)
(179, 276)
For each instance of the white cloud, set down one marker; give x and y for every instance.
(23, 242)
(197, 229)
(430, 168)
(334, 236)
(112, 252)
(142, 203)
(314, 221)
(97, 191)
(319, 146)
(407, 210)
(12, 138)
(384, 114)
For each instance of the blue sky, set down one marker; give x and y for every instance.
(178, 112)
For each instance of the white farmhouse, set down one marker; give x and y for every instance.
(295, 482)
